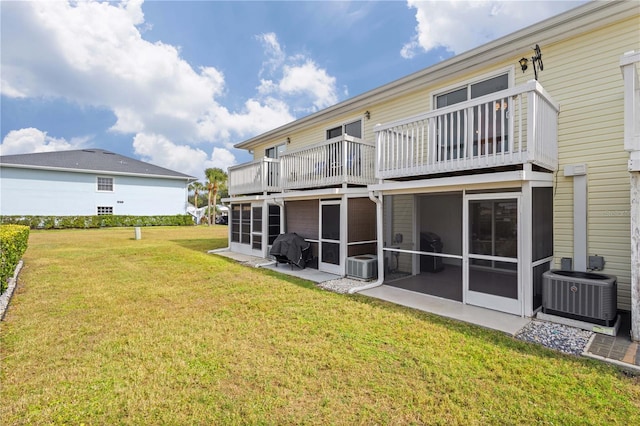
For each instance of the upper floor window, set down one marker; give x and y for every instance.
(275, 151)
(472, 91)
(353, 128)
(480, 130)
(105, 184)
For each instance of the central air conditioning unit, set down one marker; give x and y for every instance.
(364, 266)
(584, 296)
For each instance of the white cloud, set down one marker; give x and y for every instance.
(93, 53)
(272, 50)
(159, 150)
(296, 78)
(308, 78)
(460, 25)
(32, 140)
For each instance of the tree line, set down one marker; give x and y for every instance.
(215, 185)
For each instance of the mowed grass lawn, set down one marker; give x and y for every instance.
(104, 329)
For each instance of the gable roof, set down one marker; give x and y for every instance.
(90, 160)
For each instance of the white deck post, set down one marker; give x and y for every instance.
(632, 145)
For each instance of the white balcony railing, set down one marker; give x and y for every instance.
(514, 126)
(255, 177)
(341, 160)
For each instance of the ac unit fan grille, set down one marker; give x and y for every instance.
(584, 299)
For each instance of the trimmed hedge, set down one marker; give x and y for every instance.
(13, 244)
(102, 221)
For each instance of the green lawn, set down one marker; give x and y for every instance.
(104, 329)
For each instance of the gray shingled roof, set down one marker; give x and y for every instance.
(92, 160)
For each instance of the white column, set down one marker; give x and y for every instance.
(635, 256)
(344, 233)
(632, 145)
(265, 229)
(525, 240)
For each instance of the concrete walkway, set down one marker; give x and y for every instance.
(487, 318)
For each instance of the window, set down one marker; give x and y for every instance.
(334, 150)
(353, 128)
(105, 210)
(275, 151)
(490, 121)
(105, 184)
(273, 168)
(256, 232)
(274, 222)
(246, 225)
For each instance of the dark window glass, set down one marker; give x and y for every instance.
(331, 222)
(492, 85)
(354, 129)
(451, 98)
(334, 133)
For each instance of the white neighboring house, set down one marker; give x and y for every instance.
(88, 182)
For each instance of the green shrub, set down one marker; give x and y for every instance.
(102, 221)
(13, 244)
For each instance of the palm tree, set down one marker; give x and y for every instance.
(196, 187)
(216, 180)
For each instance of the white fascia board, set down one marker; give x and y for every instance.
(320, 193)
(575, 21)
(245, 199)
(302, 195)
(493, 180)
(96, 172)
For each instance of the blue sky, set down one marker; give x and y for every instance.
(178, 83)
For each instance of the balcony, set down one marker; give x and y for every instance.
(344, 160)
(341, 160)
(507, 128)
(255, 177)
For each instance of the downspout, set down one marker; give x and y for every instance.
(380, 238)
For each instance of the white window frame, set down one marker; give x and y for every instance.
(344, 124)
(510, 71)
(103, 213)
(276, 149)
(105, 190)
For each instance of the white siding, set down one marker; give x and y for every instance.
(42, 192)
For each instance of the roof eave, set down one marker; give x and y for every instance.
(104, 172)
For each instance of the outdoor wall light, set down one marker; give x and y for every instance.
(288, 140)
(523, 64)
(367, 115)
(536, 59)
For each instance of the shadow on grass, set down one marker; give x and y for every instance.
(473, 331)
(492, 337)
(201, 245)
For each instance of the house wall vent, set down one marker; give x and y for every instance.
(364, 266)
(584, 296)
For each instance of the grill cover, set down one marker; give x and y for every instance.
(292, 247)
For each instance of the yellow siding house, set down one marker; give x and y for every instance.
(471, 179)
